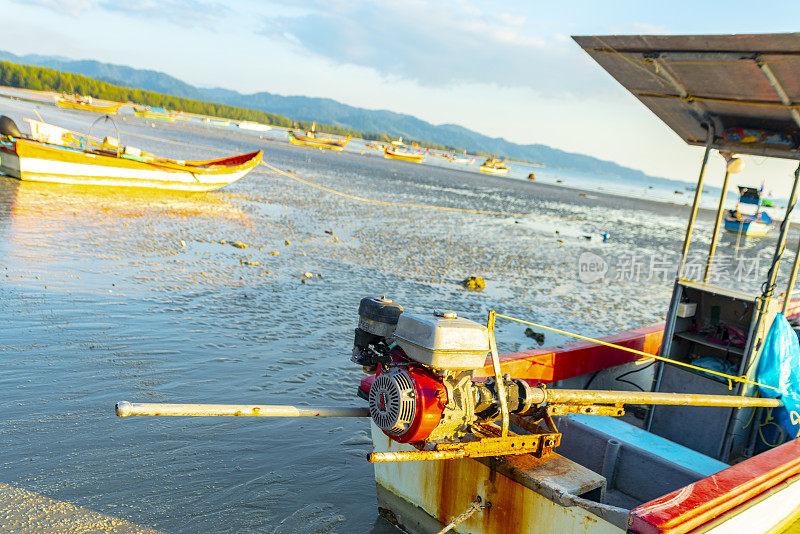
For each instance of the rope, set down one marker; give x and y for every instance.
(466, 514)
(411, 205)
(369, 200)
(731, 378)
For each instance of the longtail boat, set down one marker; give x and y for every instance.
(315, 140)
(704, 437)
(464, 160)
(494, 166)
(52, 154)
(86, 104)
(156, 113)
(403, 155)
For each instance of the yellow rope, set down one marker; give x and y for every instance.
(362, 199)
(410, 205)
(742, 379)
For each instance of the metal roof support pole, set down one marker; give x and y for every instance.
(715, 234)
(781, 92)
(689, 227)
(779, 248)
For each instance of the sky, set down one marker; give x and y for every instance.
(506, 69)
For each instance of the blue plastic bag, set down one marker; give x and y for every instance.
(779, 367)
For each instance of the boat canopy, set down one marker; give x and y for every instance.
(749, 195)
(744, 89)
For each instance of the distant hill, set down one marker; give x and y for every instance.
(328, 111)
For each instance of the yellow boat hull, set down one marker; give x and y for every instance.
(38, 162)
(83, 106)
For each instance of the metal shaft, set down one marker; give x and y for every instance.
(687, 240)
(582, 396)
(715, 234)
(125, 408)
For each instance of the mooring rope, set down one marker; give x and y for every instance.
(474, 506)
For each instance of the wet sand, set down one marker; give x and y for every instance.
(112, 294)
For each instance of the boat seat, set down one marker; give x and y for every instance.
(645, 466)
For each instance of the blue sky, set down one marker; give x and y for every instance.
(505, 69)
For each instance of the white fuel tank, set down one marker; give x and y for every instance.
(443, 340)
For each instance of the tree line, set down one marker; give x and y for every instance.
(44, 79)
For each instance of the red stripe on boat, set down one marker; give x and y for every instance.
(575, 359)
(696, 504)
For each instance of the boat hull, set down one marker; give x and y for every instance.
(36, 162)
(494, 170)
(157, 116)
(413, 158)
(328, 144)
(747, 228)
(96, 108)
(422, 497)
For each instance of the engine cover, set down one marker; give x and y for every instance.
(407, 403)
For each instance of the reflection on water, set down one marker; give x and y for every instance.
(112, 294)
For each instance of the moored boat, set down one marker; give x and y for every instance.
(156, 113)
(751, 225)
(86, 103)
(315, 140)
(56, 155)
(254, 126)
(494, 166)
(403, 155)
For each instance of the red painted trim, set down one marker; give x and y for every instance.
(575, 359)
(696, 504)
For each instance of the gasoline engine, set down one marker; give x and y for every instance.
(422, 384)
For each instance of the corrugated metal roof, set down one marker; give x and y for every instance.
(746, 86)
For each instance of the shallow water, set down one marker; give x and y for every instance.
(112, 294)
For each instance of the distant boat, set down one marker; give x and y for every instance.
(464, 160)
(86, 103)
(754, 225)
(313, 139)
(375, 146)
(156, 113)
(216, 122)
(494, 166)
(56, 155)
(255, 126)
(403, 155)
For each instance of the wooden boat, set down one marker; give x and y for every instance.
(680, 469)
(494, 166)
(216, 122)
(403, 155)
(56, 156)
(315, 140)
(464, 160)
(160, 114)
(86, 104)
(751, 225)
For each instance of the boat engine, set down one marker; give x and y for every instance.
(421, 385)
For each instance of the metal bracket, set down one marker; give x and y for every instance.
(592, 409)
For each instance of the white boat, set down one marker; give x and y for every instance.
(255, 126)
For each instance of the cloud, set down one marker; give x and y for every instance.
(182, 12)
(433, 43)
(72, 8)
